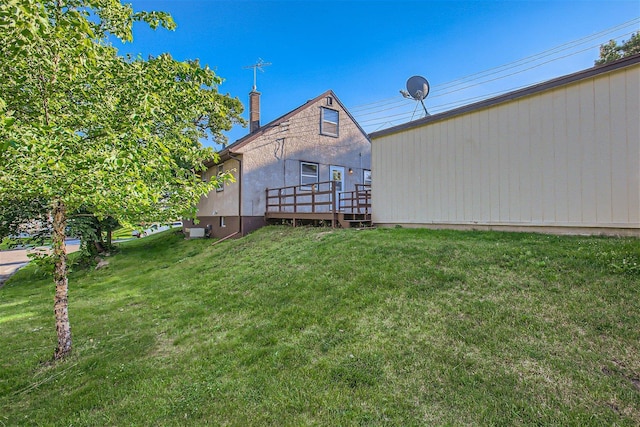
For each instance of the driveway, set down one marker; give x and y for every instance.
(11, 261)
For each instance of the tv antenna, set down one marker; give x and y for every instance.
(417, 89)
(257, 66)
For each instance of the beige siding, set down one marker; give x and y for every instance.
(221, 203)
(564, 157)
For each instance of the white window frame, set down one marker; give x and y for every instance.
(366, 172)
(305, 183)
(327, 125)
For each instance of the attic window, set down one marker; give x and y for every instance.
(329, 122)
(329, 100)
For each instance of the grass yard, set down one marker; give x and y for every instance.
(302, 326)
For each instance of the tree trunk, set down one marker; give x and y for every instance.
(61, 303)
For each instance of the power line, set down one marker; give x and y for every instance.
(394, 103)
(478, 80)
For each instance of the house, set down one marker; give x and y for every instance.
(562, 156)
(317, 142)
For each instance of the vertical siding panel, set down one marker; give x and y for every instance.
(375, 198)
(400, 172)
(633, 140)
(503, 164)
(380, 178)
(396, 190)
(406, 204)
(524, 161)
(391, 153)
(560, 123)
(475, 180)
(448, 193)
(603, 142)
(423, 162)
(451, 212)
(494, 156)
(384, 184)
(415, 179)
(435, 173)
(459, 166)
(422, 152)
(574, 156)
(409, 174)
(536, 170)
(588, 152)
(441, 168)
(514, 172)
(434, 198)
(467, 190)
(619, 173)
(419, 165)
(548, 160)
(486, 166)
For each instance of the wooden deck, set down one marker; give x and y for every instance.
(316, 204)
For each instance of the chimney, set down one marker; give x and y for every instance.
(254, 110)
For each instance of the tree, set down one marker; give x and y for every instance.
(85, 128)
(613, 51)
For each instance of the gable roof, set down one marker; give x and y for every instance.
(540, 87)
(230, 149)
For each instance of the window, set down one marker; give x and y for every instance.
(220, 186)
(329, 122)
(308, 175)
(222, 222)
(366, 177)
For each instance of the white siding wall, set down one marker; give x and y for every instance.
(221, 203)
(565, 157)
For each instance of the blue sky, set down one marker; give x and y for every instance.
(365, 50)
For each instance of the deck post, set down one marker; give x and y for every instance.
(333, 204)
(295, 199)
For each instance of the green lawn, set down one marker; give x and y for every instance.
(302, 326)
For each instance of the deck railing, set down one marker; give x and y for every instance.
(318, 198)
(356, 202)
(310, 198)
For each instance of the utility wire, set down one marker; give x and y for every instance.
(495, 70)
(380, 119)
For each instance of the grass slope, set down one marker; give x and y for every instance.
(334, 327)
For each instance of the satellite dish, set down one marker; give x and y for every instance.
(418, 87)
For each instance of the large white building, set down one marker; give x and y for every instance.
(562, 156)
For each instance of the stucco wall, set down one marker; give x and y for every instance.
(564, 157)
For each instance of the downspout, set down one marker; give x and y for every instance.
(240, 228)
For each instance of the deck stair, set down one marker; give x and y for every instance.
(354, 220)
